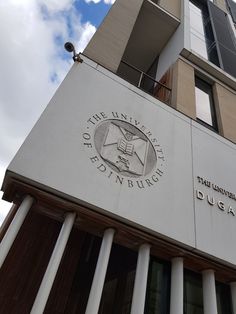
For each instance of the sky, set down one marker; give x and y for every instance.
(33, 61)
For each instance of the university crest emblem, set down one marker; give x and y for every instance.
(124, 148)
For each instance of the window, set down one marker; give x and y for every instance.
(225, 38)
(118, 288)
(201, 34)
(198, 40)
(232, 9)
(205, 110)
(193, 295)
(223, 296)
(158, 287)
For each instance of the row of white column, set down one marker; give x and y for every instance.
(140, 284)
(177, 289)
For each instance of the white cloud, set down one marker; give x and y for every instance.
(55, 5)
(97, 1)
(88, 32)
(32, 35)
(109, 1)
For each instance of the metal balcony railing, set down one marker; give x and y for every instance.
(155, 1)
(145, 82)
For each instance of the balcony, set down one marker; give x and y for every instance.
(152, 30)
(145, 82)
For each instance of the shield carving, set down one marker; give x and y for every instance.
(126, 151)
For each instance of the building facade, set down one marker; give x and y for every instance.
(124, 192)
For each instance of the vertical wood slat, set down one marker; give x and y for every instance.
(23, 269)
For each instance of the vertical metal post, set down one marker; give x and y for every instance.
(50, 274)
(100, 273)
(209, 292)
(233, 296)
(177, 286)
(14, 227)
(140, 283)
(140, 79)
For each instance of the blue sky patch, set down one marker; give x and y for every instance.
(92, 12)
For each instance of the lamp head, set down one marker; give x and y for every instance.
(69, 47)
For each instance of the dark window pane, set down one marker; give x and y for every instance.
(223, 298)
(225, 38)
(119, 282)
(73, 282)
(158, 288)
(228, 57)
(232, 8)
(193, 297)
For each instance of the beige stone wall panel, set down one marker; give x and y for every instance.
(173, 7)
(225, 101)
(183, 89)
(109, 42)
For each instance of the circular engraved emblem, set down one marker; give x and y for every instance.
(125, 148)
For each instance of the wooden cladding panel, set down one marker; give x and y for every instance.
(25, 265)
(73, 281)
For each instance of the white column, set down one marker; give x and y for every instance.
(140, 283)
(50, 274)
(209, 292)
(233, 296)
(14, 227)
(177, 286)
(100, 273)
